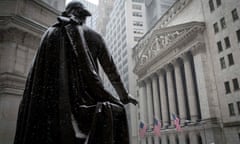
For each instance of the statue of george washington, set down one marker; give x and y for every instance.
(64, 101)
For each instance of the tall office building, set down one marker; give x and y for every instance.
(187, 67)
(155, 9)
(91, 21)
(125, 27)
(22, 23)
(104, 9)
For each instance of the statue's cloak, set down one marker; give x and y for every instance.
(63, 82)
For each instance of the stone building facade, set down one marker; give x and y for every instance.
(188, 65)
(22, 23)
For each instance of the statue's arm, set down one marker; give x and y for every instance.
(111, 71)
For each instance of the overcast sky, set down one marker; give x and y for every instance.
(93, 1)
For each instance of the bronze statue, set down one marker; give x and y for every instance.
(63, 88)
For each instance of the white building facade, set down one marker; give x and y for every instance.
(187, 65)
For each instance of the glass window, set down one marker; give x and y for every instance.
(238, 106)
(218, 2)
(140, 1)
(138, 31)
(215, 26)
(227, 42)
(219, 45)
(137, 38)
(235, 14)
(222, 62)
(235, 84)
(238, 35)
(137, 23)
(227, 87)
(223, 23)
(137, 14)
(230, 59)
(135, 6)
(231, 109)
(211, 5)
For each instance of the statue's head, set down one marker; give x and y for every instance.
(77, 9)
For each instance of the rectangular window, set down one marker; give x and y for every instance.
(137, 38)
(138, 31)
(219, 45)
(211, 5)
(231, 109)
(137, 23)
(135, 6)
(227, 87)
(218, 2)
(223, 23)
(238, 35)
(222, 62)
(137, 14)
(215, 27)
(230, 59)
(235, 15)
(238, 106)
(140, 1)
(235, 84)
(227, 42)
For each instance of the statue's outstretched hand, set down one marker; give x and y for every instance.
(132, 100)
(129, 99)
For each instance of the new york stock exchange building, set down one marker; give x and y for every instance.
(188, 67)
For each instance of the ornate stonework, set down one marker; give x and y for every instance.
(164, 40)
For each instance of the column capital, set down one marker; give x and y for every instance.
(147, 80)
(185, 56)
(176, 62)
(153, 76)
(140, 83)
(198, 48)
(160, 71)
(168, 67)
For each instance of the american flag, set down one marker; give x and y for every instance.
(157, 127)
(176, 122)
(142, 129)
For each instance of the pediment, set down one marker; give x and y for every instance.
(162, 40)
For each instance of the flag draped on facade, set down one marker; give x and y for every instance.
(142, 129)
(176, 122)
(157, 127)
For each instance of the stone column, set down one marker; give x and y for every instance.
(170, 89)
(191, 93)
(182, 138)
(149, 105)
(172, 139)
(164, 139)
(155, 101)
(155, 96)
(180, 93)
(163, 97)
(142, 105)
(193, 138)
(204, 79)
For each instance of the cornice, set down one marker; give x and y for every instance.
(46, 6)
(22, 22)
(12, 84)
